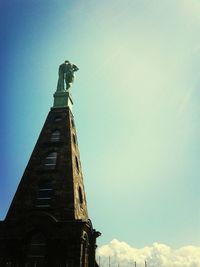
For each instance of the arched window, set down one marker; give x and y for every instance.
(55, 136)
(50, 161)
(44, 195)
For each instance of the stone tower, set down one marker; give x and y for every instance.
(47, 224)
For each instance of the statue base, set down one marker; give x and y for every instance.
(62, 99)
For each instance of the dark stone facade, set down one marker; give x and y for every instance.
(47, 223)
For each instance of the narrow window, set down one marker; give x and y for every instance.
(50, 161)
(74, 139)
(44, 195)
(77, 165)
(55, 136)
(72, 121)
(80, 195)
(37, 247)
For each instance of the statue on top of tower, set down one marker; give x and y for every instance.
(66, 75)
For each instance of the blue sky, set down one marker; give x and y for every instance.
(136, 106)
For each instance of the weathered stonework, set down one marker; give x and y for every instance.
(48, 215)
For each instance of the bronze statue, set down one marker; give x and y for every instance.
(66, 75)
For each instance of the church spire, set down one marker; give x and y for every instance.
(47, 223)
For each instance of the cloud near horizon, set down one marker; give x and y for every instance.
(157, 255)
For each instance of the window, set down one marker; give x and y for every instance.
(77, 165)
(55, 136)
(58, 118)
(50, 161)
(37, 246)
(44, 195)
(80, 195)
(72, 121)
(74, 139)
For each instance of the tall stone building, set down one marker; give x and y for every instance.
(47, 224)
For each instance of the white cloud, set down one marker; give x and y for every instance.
(158, 255)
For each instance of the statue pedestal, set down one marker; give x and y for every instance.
(62, 99)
